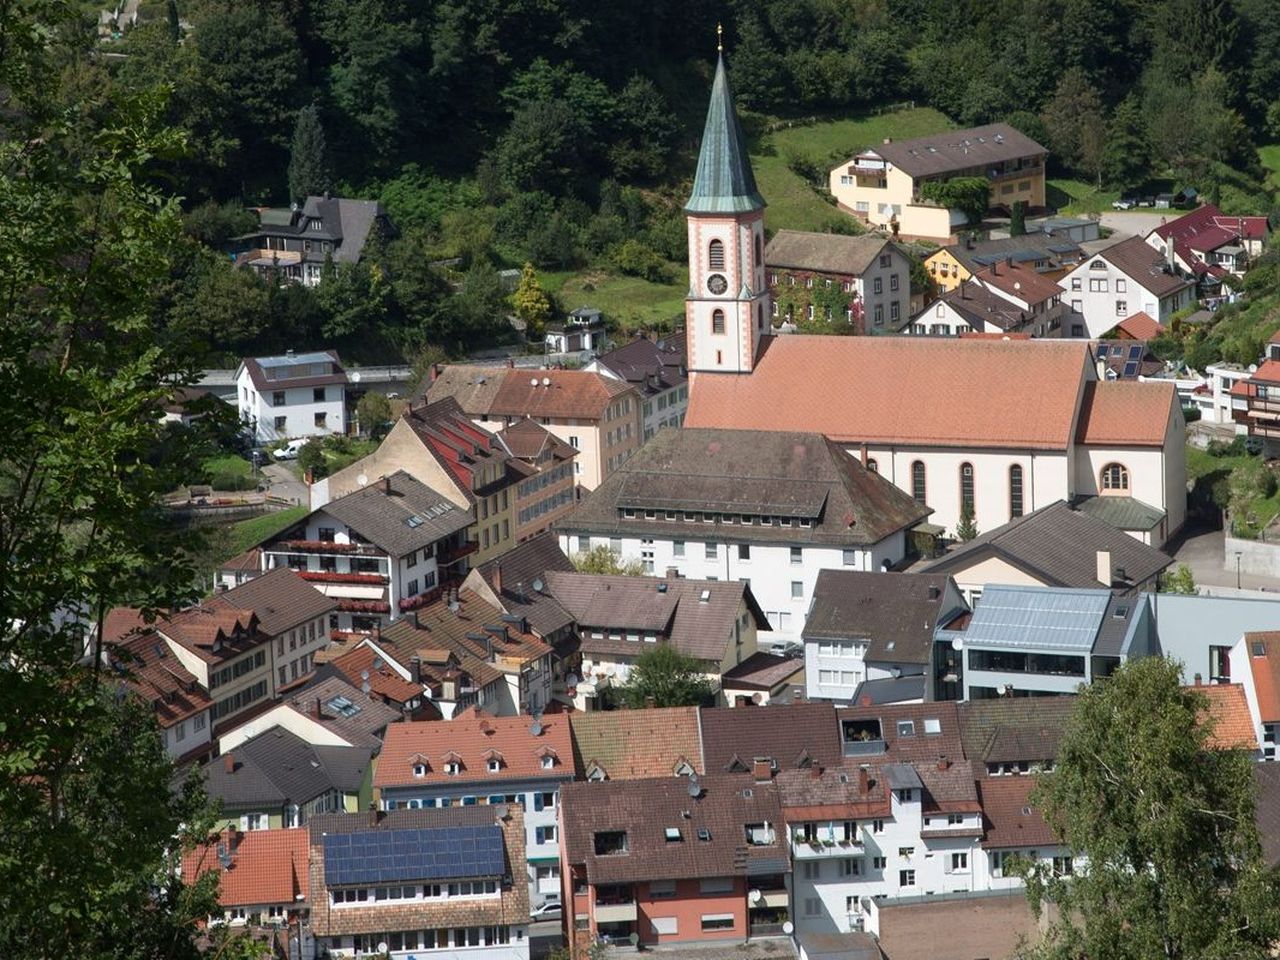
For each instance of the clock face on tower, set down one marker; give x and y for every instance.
(717, 284)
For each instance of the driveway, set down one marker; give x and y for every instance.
(1202, 548)
(282, 482)
(1136, 222)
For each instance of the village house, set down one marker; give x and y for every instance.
(1255, 404)
(618, 618)
(477, 759)
(597, 415)
(379, 552)
(1122, 279)
(263, 875)
(862, 281)
(673, 860)
(583, 330)
(1207, 244)
(294, 245)
(328, 711)
(440, 447)
(453, 885)
(547, 488)
(637, 744)
(763, 678)
(1050, 254)
(293, 395)
(1002, 297)
(768, 509)
(657, 368)
(883, 185)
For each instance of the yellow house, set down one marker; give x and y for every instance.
(1052, 255)
(882, 186)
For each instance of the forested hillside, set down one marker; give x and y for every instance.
(561, 132)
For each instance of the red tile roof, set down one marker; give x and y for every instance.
(1233, 724)
(474, 738)
(1140, 326)
(1125, 413)
(505, 392)
(1019, 281)
(634, 744)
(267, 867)
(1266, 673)
(364, 664)
(159, 677)
(1008, 817)
(1268, 372)
(927, 391)
(981, 335)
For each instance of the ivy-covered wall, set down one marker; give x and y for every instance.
(794, 296)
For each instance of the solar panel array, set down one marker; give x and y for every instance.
(392, 856)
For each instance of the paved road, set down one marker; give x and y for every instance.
(1202, 550)
(1135, 222)
(283, 483)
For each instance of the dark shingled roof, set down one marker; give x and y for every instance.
(382, 517)
(979, 307)
(645, 809)
(1144, 264)
(651, 366)
(795, 735)
(909, 732)
(762, 671)
(723, 182)
(896, 612)
(277, 766)
(281, 599)
(824, 252)
(1015, 729)
(1059, 547)
(520, 567)
(1267, 812)
(1056, 248)
(756, 473)
(953, 150)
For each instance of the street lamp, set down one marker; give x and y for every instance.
(1238, 569)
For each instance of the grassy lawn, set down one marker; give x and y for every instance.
(228, 463)
(1074, 198)
(1270, 157)
(247, 533)
(1212, 471)
(629, 301)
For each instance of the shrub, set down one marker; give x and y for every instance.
(231, 481)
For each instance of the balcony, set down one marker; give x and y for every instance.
(823, 849)
(325, 546)
(449, 555)
(772, 898)
(329, 576)
(616, 912)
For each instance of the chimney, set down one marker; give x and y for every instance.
(866, 700)
(650, 703)
(673, 573)
(319, 715)
(233, 837)
(229, 763)
(497, 578)
(864, 780)
(1104, 567)
(934, 591)
(1199, 680)
(1008, 261)
(1168, 256)
(375, 815)
(386, 485)
(762, 770)
(815, 771)
(862, 453)
(994, 271)
(943, 762)
(488, 647)
(434, 372)
(415, 665)
(416, 624)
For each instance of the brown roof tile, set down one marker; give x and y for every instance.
(634, 744)
(1019, 281)
(824, 252)
(281, 599)
(762, 671)
(156, 675)
(1008, 816)
(1144, 265)
(834, 792)
(1232, 723)
(794, 735)
(363, 664)
(897, 613)
(1125, 413)
(929, 391)
(1263, 651)
(953, 150)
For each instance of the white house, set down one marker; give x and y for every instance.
(658, 370)
(769, 509)
(294, 395)
(1121, 280)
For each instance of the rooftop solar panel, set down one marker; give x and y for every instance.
(1131, 369)
(1135, 352)
(1103, 348)
(438, 853)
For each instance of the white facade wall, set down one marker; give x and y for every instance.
(885, 309)
(1103, 295)
(834, 668)
(516, 949)
(769, 569)
(299, 410)
(1222, 377)
(745, 299)
(541, 802)
(941, 319)
(187, 735)
(665, 409)
(1267, 734)
(1150, 481)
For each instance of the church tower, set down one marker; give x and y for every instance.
(727, 310)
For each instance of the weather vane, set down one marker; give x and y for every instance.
(719, 38)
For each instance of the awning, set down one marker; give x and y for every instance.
(351, 591)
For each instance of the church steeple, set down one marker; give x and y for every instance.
(724, 182)
(727, 309)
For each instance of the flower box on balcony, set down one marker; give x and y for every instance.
(330, 576)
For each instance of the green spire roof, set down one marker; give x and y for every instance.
(724, 182)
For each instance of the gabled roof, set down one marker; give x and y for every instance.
(556, 394)
(280, 598)
(1232, 723)
(278, 767)
(796, 735)
(635, 744)
(1020, 281)
(834, 793)
(1267, 809)
(1011, 822)
(1059, 547)
(363, 664)
(266, 867)
(1143, 264)
(953, 150)
(1125, 413)
(897, 613)
(150, 670)
(1263, 650)
(646, 809)
(697, 617)
(399, 514)
(824, 494)
(462, 449)
(911, 732)
(213, 633)
(303, 372)
(474, 738)
(651, 365)
(761, 671)
(979, 307)
(825, 252)
(473, 387)
(1028, 248)
(723, 182)
(929, 391)
(520, 568)
(1012, 730)
(342, 707)
(530, 441)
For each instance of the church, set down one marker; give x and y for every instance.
(1001, 426)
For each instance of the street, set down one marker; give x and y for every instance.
(282, 482)
(1201, 550)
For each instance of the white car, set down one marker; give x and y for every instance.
(290, 450)
(787, 648)
(551, 910)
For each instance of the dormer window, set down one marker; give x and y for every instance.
(548, 762)
(419, 769)
(453, 768)
(495, 765)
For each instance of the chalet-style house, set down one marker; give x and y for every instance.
(295, 244)
(882, 185)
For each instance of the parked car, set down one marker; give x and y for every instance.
(1125, 203)
(551, 910)
(787, 648)
(290, 450)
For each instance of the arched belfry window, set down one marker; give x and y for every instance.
(715, 255)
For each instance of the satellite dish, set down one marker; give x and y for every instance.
(1005, 688)
(355, 376)
(362, 480)
(546, 381)
(957, 644)
(634, 939)
(533, 382)
(538, 585)
(454, 605)
(755, 896)
(364, 674)
(365, 686)
(535, 728)
(788, 927)
(382, 946)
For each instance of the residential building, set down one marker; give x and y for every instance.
(366, 666)
(1012, 426)
(637, 744)
(658, 370)
(597, 415)
(674, 860)
(330, 712)
(1199, 631)
(867, 627)
(263, 875)
(451, 886)
(863, 281)
(277, 779)
(294, 244)
(1260, 652)
(1038, 296)
(973, 307)
(1057, 546)
(547, 486)
(1208, 244)
(582, 330)
(476, 759)
(770, 509)
(440, 447)
(464, 651)
(618, 618)
(1127, 359)
(794, 736)
(1255, 406)
(764, 678)
(1116, 282)
(1223, 393)
(884, 186)
(381, 551)
(1049, 254)
(292, 395)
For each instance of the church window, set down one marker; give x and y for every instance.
(715, 255)
(1015, 491)
(966, 485)
(759, 259)
(917, 481)
(1115, 477)
(717, 321)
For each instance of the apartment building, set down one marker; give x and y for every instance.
(292, 395)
